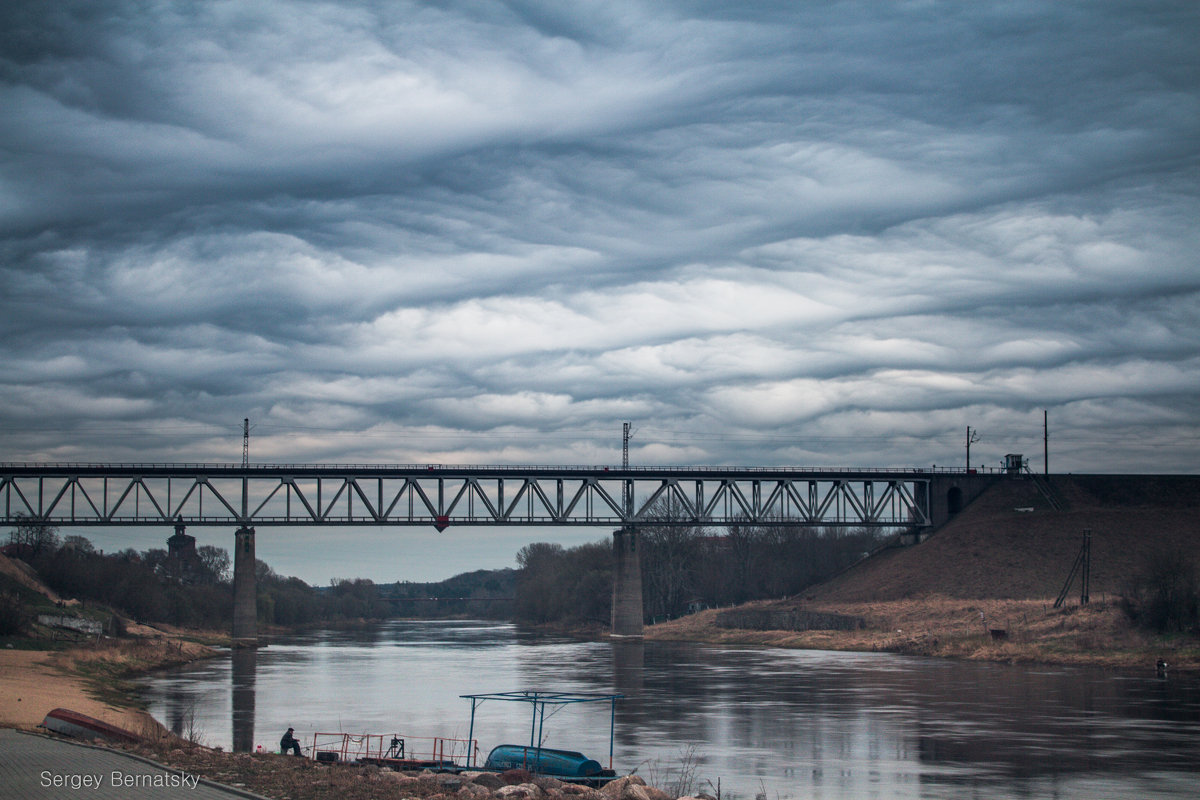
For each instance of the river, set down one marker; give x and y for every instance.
(784, 723)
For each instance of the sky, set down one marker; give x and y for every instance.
(479, 232)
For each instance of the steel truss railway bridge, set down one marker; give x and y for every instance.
(262, 495)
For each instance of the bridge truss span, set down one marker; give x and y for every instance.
(437, 495)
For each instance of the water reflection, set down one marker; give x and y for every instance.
(629, 666)
(245, 664)
(792, 723)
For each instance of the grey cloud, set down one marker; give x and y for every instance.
(472, 231)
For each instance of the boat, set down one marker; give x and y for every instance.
(81, 726)
(545, 761)
(566, 765)
(441, 754)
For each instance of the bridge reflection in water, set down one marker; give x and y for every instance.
(245, 667)
(804, 723)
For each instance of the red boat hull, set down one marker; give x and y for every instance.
(81, 726)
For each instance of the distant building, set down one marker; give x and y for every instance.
(183, 562)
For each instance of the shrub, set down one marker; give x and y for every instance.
(1165, 594)
(14, 616)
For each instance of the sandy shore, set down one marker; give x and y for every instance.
(86, 679)
(31, 685)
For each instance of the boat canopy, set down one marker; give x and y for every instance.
(538, 699)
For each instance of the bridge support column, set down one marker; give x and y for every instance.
(245, 590)
(627, 585)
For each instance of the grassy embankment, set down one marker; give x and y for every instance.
(49, 666)
(998, 565)
(1099, 633)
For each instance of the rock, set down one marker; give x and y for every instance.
(449, 783)
(616, 789)
(488, 780)
(654, 793)
(576, 792)
(514, 776)
(473, 791)
(518, 791)
(634, 792)
(405, 783)
(548, 784)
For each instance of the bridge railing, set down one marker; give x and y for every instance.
(207, 494)
(52, 467)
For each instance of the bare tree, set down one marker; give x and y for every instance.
(670, 556)
(37, 536)
(214, 563)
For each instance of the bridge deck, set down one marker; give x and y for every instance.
(441, 495)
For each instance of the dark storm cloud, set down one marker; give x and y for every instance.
(492, 231)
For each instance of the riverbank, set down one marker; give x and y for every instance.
(1014, 631)
(90, 677)
(94, 678)
(290, 778)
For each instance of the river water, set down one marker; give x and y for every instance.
(785, 723)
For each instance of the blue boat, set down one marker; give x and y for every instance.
(543, 761)
(565, 764)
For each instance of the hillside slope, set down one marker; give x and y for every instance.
(982, 586)
(993, 550)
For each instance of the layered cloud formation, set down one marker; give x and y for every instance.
(491, 232)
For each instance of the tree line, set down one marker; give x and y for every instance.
(684, 568)
(193, 587)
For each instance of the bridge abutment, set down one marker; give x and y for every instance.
(245, 590)
(627, 585)
(950, 493)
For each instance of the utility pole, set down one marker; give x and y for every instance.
(627, 434)
(625, 447)
(1085, 589)
(1082, 565)
(972, 436)
(246, 442)
(1046, 441)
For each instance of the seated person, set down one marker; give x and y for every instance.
(289, 742)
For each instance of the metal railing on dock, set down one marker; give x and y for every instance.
(395, 750)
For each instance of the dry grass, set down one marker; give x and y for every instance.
(107, 666)
(92, 678)
(1034, 631)
(289, 778)
(993, 567)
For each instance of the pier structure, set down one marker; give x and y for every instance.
(627, 585)
(250, 498)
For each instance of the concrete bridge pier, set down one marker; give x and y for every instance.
(627, 585)
(245, 590)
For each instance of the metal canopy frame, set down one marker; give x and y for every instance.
(539, 699)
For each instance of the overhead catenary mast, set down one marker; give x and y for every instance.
(625, 446)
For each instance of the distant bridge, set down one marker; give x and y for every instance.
(380, 495)
(179, 495)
